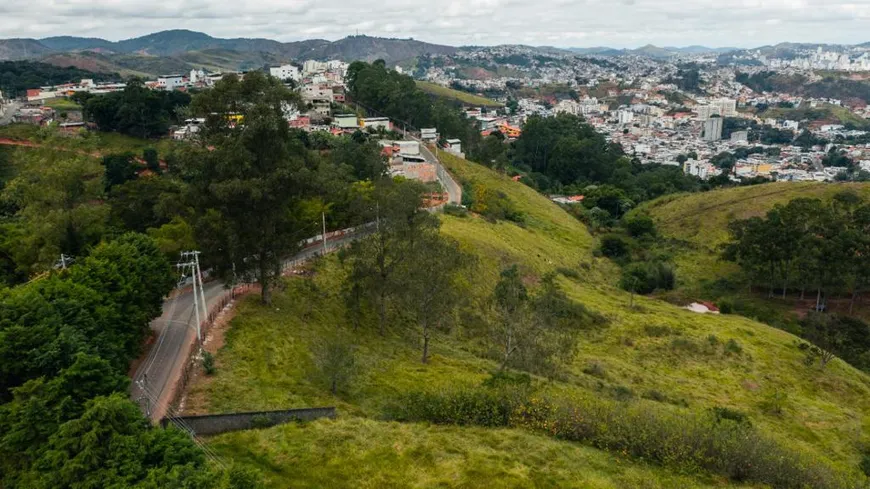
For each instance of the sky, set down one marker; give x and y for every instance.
(561, 23)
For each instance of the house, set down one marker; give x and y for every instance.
(454, 146)
(346, 121)
(429, 134)
(286, 72)
(170, 82)
(377, 123)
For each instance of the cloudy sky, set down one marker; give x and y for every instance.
(563, 23)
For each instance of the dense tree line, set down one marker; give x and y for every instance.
(18, 76)
(808, 246)
(136, 111)
(66, 342)
(396, 95)
(563, 154)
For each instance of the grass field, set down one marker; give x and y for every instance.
(91, 142)
(699, 222)
(458, 95)
(62, 104)
(655, 350)
(839, 114)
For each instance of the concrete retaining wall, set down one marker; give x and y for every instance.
(213, 424)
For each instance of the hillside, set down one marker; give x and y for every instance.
(457, 95)
(655, 357)
(697, 224)
(178, 42)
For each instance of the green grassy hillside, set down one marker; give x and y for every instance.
(697, 224)
(451, 94)
(656, 355)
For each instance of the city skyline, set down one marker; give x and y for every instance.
(560, 23)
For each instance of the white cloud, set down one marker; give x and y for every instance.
(617, 23)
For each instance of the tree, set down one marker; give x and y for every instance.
(514, 321)
(59, 208)
(822, 331)
(376, 261)
(137, 110)
(432, 285)
(249, 186)
(335, 361)
(151, 159)
(120, 168)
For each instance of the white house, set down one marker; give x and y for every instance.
(285, 72)
(170, 82)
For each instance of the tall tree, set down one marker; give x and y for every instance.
(432, 285)
(249, 181)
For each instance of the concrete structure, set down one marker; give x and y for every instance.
(705, 112)
(454, 146)
(625, 116)
(345, 121)
(739, 136)
(213, 424)
(377, 123)
(727, 107)
(713, 129)
(429, 134)
(170, 82)
(286, 72)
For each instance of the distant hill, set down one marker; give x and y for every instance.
(179, 41)
(16, 49)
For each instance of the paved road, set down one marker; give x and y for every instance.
(454, 190)
(176, 333)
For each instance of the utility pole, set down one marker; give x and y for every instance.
(192, 266)
(323, 216)
(201, 291)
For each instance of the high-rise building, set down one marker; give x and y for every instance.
(727, 107)
(713, 129)
(707, 111)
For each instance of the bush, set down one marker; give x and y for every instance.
(865, 464)
(684, 344)
(723, 413)
(732, 347)
(614, 246)
(208, 363)
(654, 395)
(720, 441)
(726, 306)
(569, 273)
(683, 441)
(479, 407)
(261, 421)
(595, 369)
(645, 278)
(639, 225)
(623, 393)
(657, 331)
(455, 210)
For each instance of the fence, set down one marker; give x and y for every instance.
(213, 424)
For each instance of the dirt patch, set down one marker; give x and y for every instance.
(194, 400)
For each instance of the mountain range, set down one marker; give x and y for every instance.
(177, 42)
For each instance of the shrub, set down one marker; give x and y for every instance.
(865, 464)
(713, 340)
(684, 344)
(595, 369)
(654, 395)
(732, 347)
(722, 413)
(726, 306)
(644, 278)
(683, 441)
(208, 363)
(569, 273)
(774, 403)
(479, 407)
(455, 210)
(639, 225)
(614, 246)
(622, 393)
(656, 331)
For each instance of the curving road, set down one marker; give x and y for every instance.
(155, 379)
